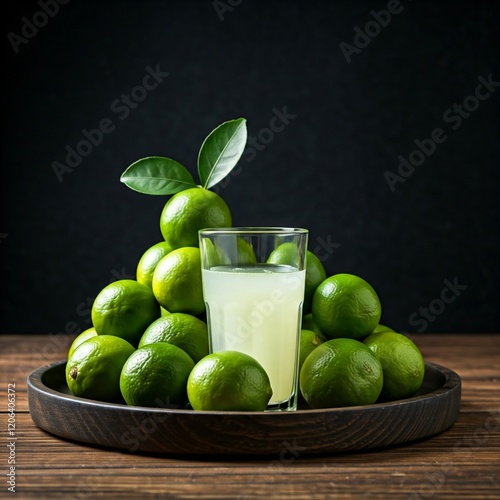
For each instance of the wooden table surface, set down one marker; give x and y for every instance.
(462, 462)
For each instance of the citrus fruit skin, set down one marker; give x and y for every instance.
(183, 330)
(382, 328)
(315, 275)
(401, 361)
(177, 282)
(124, 308)
(188, 211)
(241, 254)
(93, 369)
(155, 375)
(308, 323)
(86, 334)
(229, 381)
(346, 306)
(341, 372)
(309, 340)
(286, 254)
(149, 260)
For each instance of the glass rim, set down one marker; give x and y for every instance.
(210, 231)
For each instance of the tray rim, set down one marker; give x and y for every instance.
(36, 387)
(35, 381)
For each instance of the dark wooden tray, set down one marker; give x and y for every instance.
(186, 432)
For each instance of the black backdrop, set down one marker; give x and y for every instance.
(353, 103)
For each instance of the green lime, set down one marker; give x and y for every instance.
(125, 309)
(149, 260)
(229, 381)
(87, 334)
(402, 362)
(155, 375)
(382, 328)
(234, 252)
(183, 330)
(341, 372)
(309, 340)
(315, 275)
(164, 312)
(239, 254)
(308, 323)
(286, 254)
(177, 282)
(188, 211)
(346, 306)
(93, 369)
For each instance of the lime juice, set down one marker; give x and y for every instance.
(257, 310)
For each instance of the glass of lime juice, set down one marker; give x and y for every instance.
(253, 287)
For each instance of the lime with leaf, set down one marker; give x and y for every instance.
(192, 207)
(218, 155)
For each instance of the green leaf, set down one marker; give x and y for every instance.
(158, 176)
(221, 151)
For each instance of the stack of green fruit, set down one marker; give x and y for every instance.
(148, 344)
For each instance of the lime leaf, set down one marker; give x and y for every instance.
(221, 151)
(158, 176)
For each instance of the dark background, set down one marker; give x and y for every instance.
(61, 242)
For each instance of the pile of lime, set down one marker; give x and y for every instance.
(148, 344)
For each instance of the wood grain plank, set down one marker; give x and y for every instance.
(461, 462)
(21, 354)
(403, 469)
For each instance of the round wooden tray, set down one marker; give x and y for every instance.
(188, 432)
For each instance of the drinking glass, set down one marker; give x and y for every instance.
(253, 287)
